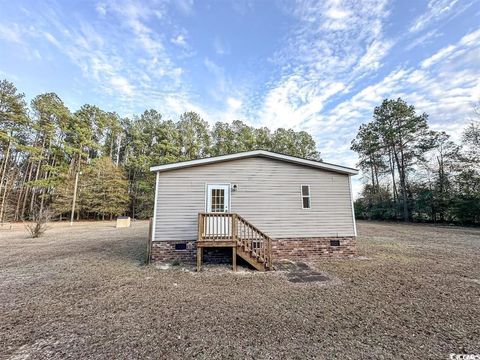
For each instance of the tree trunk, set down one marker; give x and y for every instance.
(111, 148)
(4, 171)
(119, 139)
(24, 205)
(37, 174)
(44, 190)
(403, 187)
(441, 190)
(12, 175)
(373, 178)
(21, 194)
(2, 207)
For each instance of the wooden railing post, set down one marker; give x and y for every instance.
(270, 262)
(200, 226)
(149, 241)
(234, 228)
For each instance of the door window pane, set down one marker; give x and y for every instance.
(218, 200)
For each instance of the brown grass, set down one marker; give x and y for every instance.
(83, 292)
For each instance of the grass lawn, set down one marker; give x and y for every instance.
(83, 292)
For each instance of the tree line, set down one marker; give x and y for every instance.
(414, 173)
(44, 146)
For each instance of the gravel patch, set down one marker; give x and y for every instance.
(299, 272)
(84, 293)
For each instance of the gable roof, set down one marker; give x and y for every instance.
(256, 153)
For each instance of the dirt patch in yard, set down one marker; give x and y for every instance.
(83, 292)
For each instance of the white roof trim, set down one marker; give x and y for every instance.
(256, 153)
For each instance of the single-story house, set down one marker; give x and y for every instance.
(257, 205)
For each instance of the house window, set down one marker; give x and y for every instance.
(306, 203)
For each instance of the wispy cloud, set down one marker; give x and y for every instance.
(51, 39)
(11, 33)
(443, 53)
(122, 85)
(334, 45)
(185, 6)
(220, 47)
(129, 61)
(463, 45)
(423, 39)
(242, 7)
(445, 89)
(179, 40)
(439, 10)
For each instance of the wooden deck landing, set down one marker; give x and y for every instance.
(232, 230)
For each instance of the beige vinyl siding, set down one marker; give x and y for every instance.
(268, 195)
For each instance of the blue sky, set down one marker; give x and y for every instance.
(316, 66)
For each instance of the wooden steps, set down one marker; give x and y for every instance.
(232, 230)
(247, 256)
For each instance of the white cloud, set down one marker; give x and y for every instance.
(121, 84)
(374, 53)
(443, 53)
(466, 41)
(220, 89)
(423, 39)
(438, 10)
(10, 33)
(101, 9)
(213, 67)
(334, 45)
(179, 40)
(131, 62)
(51, 39)
(242, 7)
(234, 103)
(324, 62)
(336, 15)
(471, 38)
(445, 90)
(220, 47)
(185, 6)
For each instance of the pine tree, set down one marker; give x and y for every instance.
(103, 189)
(13, 136)
(404, 133)
(194, 136)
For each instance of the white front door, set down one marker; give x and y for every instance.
(218, 201)
(218, 198)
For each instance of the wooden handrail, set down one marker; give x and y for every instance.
(253, 226)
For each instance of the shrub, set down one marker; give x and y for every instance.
(38, 223)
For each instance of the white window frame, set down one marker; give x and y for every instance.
(305, 196)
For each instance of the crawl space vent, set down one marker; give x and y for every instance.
(181, 246)
(334, 242)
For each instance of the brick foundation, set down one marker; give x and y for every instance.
(164, 251)
(309, 248)
(294, 249)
